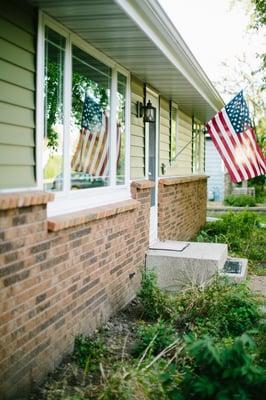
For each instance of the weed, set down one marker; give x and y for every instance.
(89, 352)
(260, 339)
(241, 232)
(156, 303)
(242, 200)
(158, 381)
(221, 309)
(159, 334)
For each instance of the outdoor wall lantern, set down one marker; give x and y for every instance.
(148, 112)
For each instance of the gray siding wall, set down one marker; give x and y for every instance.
(17, 94)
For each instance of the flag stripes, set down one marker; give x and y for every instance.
(239, 149)
(92, 151)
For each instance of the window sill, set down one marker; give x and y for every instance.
(85, 199)
(81, 217)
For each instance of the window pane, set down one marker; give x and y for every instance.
(121, 129)
(89, 140)
(53, 115)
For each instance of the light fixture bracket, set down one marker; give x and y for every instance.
(147, 112)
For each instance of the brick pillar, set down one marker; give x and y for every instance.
(141, 191)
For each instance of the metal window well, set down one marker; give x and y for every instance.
(235, 269)
(233, 266)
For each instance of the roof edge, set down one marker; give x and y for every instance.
(153, 20)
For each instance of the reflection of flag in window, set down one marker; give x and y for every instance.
(235, 140)
(92, 151)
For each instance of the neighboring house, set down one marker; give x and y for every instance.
(215, 170)
(219, 182)
(87, 184)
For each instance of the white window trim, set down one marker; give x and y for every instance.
(67, 200)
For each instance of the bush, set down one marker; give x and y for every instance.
(221, 309)
(240, 231)
(158, 336)
(89, 352)
(242, 200)
(223, 371)
(156, 303)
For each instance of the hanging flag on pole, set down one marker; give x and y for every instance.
(232, 134)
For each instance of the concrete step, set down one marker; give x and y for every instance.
(180, 263)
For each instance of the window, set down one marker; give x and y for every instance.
(90, 127)
(121, 129)
(53, 111)
(198, 147)
(86, 107)
(174, 131)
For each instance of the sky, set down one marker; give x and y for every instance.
(214, 32)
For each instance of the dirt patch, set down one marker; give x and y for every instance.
(258, 284)
(70, 382)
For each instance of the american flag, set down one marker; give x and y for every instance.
(92, 151)
(232, 134)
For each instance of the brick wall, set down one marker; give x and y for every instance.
(62, 277)
(181, 207)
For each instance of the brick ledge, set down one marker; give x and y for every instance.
(24, 199)
(143, 184)
(181, 179)
(69, 220)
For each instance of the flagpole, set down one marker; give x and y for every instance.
(164, 167)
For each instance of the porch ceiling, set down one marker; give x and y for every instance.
(139, 36)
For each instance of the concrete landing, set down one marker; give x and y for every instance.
(179, 263)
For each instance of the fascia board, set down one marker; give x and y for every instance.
(151, 18)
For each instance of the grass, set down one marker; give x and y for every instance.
(261, 217)
(205, 342)
(242, 200)
(244, 236)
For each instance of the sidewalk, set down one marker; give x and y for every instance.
(218, 206)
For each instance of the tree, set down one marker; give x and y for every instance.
(241, 75)
(259, 13)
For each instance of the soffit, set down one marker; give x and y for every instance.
(106, 26)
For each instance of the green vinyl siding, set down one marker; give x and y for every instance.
(182, 165)
(17, 76)
(137, 135)
(164, 142)
(17, 95)
(9, 173)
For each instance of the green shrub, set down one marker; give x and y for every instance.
(158, 336)
(220, 309)
(242, 200)
(156, 303)
(260, 339)
(239, 230)
(89, 352)
(223, 371)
